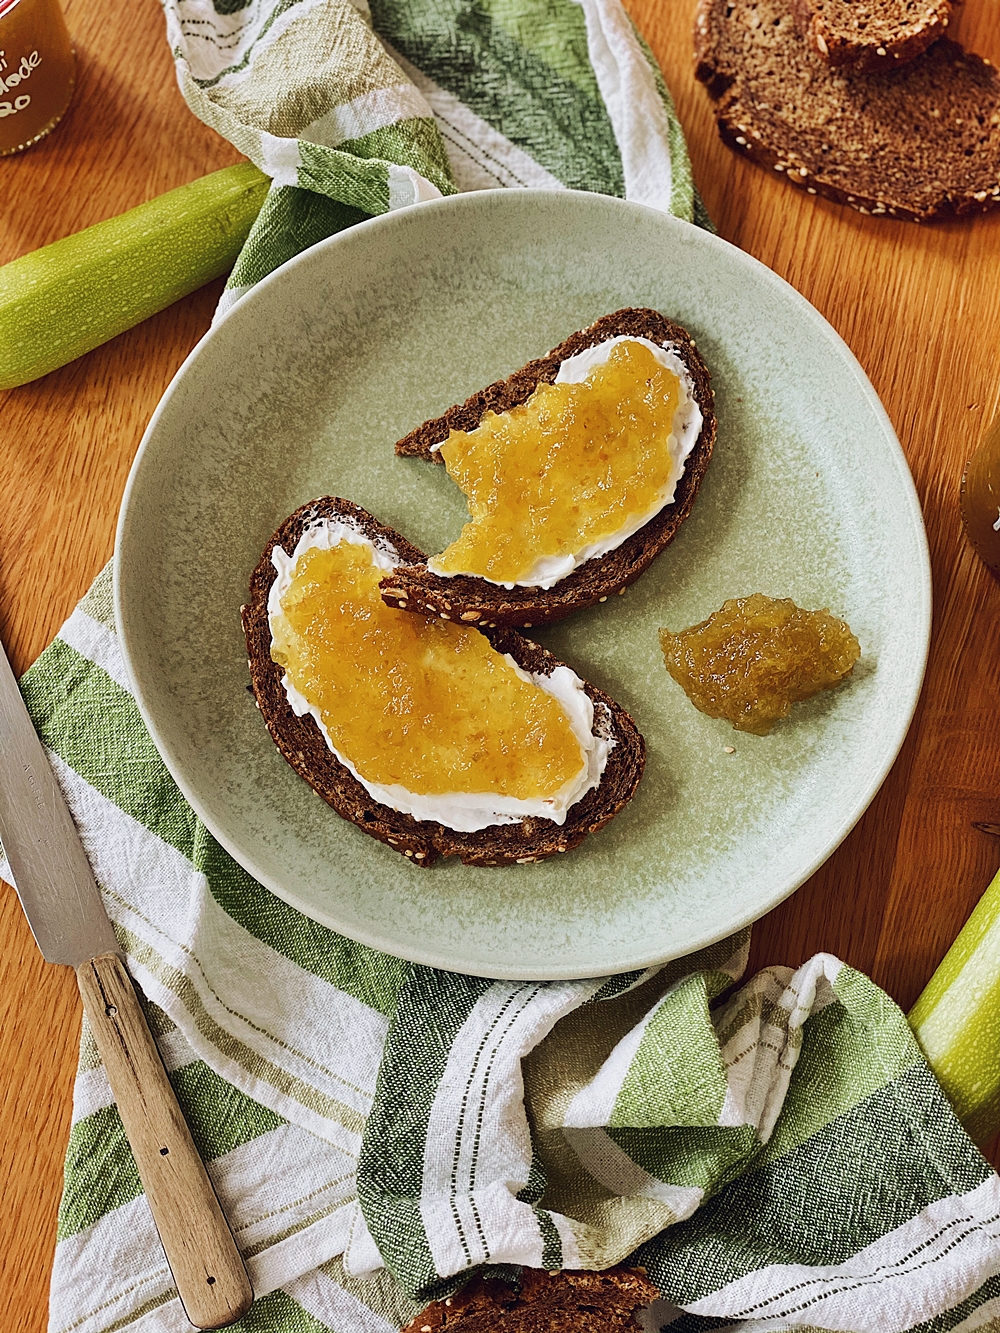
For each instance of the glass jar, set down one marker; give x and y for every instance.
(981, 498)
(37, 71)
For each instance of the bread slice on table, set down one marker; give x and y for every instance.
(303, 745)
(476, 600)
(561, 1302)
(872, 34)
(920, 141)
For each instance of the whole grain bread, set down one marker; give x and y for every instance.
(871, 34)
(561, 1302)
(302, 743)
(478, 601)
(919, 141)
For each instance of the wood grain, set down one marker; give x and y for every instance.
(211, 1281)
(920, 308)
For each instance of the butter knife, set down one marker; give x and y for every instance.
(63, 905)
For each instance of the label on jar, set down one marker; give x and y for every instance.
(36, 71)
(12, 78)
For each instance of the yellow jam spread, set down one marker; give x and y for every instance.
(756, 656)
(426, 704)
(565, 469)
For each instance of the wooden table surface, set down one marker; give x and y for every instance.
(920, 308)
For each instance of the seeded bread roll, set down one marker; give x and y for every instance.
(562, 1302)
(302, 743)
(871, 34)
(479, 602)
(920, 141)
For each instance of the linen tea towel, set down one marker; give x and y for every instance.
(442, 95)
(791, 1141)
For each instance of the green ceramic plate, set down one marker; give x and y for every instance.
(301, 391)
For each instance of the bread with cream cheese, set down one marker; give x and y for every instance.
(479, 602)
(304, 747)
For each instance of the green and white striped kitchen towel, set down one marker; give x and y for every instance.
(354, 112)
(778, 1159)
(781, 1160)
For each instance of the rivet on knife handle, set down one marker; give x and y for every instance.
(209, 1273)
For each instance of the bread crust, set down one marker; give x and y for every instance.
(567, 1301)
(880, 45)
(845, 134)
(304, 747)
(476, 600)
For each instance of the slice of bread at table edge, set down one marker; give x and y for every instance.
(920, 141)
(569, 1301)
(476, 600)
(304, 747)
(872, 34)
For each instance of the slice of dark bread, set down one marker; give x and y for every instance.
(920, 141)
(302, 743)
(560, 1302)
(478, 601)
(872, 34)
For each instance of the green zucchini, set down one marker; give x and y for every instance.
(957, 1019)
(68, 297)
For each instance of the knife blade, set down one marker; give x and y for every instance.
(63, 905)
(50, 868)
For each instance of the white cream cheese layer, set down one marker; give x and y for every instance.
(549, 569)
(465, 812)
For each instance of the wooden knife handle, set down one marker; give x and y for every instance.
(211, 1279)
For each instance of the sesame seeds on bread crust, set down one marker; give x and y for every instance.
(304, 747)
(920, 141)
(872, 34)
(477, 601)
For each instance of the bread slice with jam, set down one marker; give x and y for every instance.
(476, 600)
(305, 747)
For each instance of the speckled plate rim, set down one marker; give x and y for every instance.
(641, 959)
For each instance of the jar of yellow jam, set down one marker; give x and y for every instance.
(981, 498)
(37, 71)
